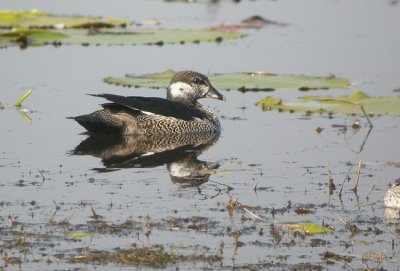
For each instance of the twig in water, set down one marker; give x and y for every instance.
(366, 115)
(205, 197)
(94, 213)
(372, 189)
(256, 217)
(358, 175)
(43, 178)
(331, 185)
(365, 139)
(353, 228)
(229, 188)
(345, 178)
(232, 203)
(57, 208)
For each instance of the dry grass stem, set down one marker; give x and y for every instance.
(358, 175)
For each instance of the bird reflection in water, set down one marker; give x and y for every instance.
(179, 153)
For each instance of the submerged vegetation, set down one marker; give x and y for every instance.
(18, 240)
(81, 243)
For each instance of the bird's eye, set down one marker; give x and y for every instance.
(198, 81)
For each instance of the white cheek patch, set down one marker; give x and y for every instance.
(180, 89)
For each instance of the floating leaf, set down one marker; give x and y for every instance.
(34, 37)
(37, 19)
(157, 36)
(39, 28)
(309, 228)
(349, 104)
(152, 80)
(79, 234)
(244, 81)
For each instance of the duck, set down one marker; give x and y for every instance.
(392, 197)
(179, 113)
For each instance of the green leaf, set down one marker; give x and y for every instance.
(344, 104)
(23, 98)
(37, 19)
(144, 36)
(39, 28)
(79, 234)
(152, 80)
(309, 228)
(33, 37)
(157, 36)
(244, 81)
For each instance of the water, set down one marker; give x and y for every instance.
(268, 158)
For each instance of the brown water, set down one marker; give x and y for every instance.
(266, 159)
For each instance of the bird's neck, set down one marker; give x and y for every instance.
(208, 114)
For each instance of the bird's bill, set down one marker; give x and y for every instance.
(214, 94)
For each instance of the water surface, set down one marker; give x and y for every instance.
(268, 159)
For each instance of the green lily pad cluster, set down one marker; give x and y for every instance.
(36, 19)
(342, 104)
(35, 28)
(243, 81)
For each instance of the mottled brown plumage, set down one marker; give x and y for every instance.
(180, 113)
(392, 197)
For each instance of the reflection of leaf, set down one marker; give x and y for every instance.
(241, 81)
(145, 36)
(349, 104)
(37, 19)
(309, 228)
(25, 116)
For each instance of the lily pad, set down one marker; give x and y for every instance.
(35, 28)
(38, 19)
(310, 228)
(244, 81)
(33, 37)
(344, 104)
(145, 36)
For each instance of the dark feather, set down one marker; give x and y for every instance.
(155, 105)
(96, 124)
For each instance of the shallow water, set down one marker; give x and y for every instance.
(266, 158)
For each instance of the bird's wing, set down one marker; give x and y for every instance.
(154, 105)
